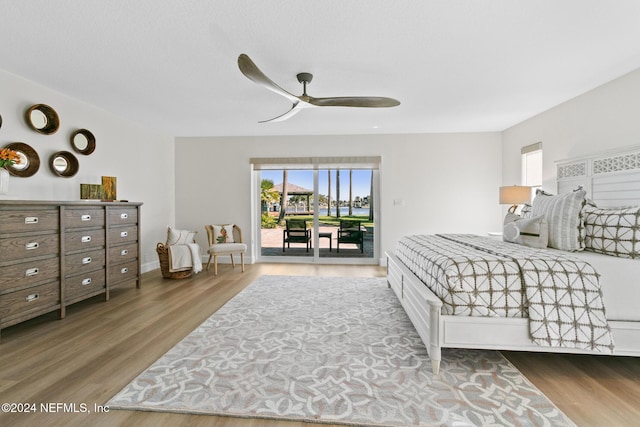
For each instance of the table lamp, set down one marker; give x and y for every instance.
(515, 195)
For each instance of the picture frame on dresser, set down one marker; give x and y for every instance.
(54, 254)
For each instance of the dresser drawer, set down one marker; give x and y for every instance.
(121, 272)
(83, 284)
(87, 217)
(123, 253)
(25, 247)
(123, 235)
(122, 216)
(29, 273)
(24, 221)
(31, 299)
(87, 239)
(84, 262)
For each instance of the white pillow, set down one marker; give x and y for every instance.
(564, 218)
(180, 237)
(532, 232)
(223, 233)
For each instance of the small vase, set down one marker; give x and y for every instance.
(4, 181)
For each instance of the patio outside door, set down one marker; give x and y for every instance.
(330, 214)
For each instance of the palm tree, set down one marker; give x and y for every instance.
(267, 194)
(329, 196)
(350, 192)
(337, 193)
(283, 199)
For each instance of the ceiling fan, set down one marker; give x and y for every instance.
(249, 69)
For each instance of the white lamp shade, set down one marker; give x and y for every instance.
(515, 195)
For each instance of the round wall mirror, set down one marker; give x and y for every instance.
(43, 119)
(64, 164)
(29, 160)
(83, 141)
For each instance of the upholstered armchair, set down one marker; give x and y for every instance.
(224, 240)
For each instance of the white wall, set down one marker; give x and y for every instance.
(140, 159)
(602, 119)
(449, 182)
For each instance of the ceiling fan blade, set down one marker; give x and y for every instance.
(354, 101)
(251, 70)
(292, 112)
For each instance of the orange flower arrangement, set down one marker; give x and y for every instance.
(8, 157)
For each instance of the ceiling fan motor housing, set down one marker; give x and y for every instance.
(305, 77)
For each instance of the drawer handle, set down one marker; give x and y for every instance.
(85, 217)
(124, 215)
(32, 297)
(86, 281)
(124, 270)
(86, 260)
(31, 220)
(124, 252)
(85, 239)
(31, 272)
(124, 234)
(32, 245)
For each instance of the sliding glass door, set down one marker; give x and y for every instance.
(309, 213)
(286, 219)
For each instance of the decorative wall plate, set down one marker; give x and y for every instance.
(64, 164)
(83, 141)
(43, 119)
(29, 160)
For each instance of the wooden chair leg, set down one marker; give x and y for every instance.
(233, 264)
(209, 262)
(242, 260)
(215, 265)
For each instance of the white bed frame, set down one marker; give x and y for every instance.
(610, 179)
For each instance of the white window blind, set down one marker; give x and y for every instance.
(352, 162)
(532, 165)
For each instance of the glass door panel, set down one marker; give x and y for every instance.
(286, 222)
(337, 225)
(345, 221)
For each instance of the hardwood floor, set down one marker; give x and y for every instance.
(100, 346)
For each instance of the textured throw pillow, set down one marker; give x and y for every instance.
(564, 218)
(532, 232)
(525, 212)
(223, 233)
(179, 237)
(613, 231)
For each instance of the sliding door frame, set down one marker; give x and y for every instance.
(316, 164)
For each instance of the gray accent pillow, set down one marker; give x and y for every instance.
(613, 231)
(563, 213)
(532, 232)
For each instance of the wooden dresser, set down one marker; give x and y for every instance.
(53, 254)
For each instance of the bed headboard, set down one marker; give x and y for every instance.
(611, 179)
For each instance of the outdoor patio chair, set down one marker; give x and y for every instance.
(351, 232)
(296, 231)
(223, 243)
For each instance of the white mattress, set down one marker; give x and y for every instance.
(620, 283)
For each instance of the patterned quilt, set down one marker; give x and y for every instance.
(481, 276)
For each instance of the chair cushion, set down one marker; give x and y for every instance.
(223, 233)
(224, 248)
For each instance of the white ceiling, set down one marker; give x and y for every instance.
(455, 65)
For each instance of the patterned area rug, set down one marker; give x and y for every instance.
(331, 350)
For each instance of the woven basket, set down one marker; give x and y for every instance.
(163, 255)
